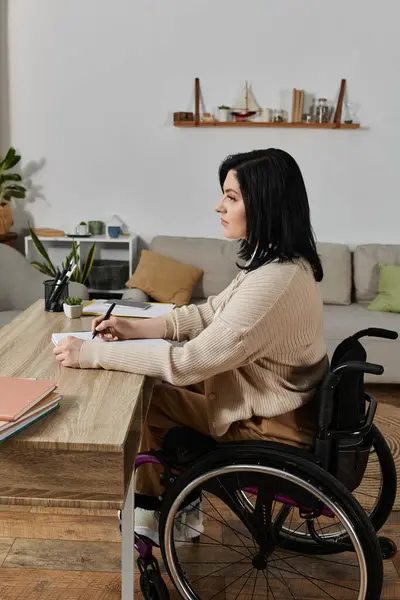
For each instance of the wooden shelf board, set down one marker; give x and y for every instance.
(285, 124)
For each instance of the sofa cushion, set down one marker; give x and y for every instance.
(336, 262)
(388, 299)
(165, 279)
(217, 258)
(342, 321)
(366, 268)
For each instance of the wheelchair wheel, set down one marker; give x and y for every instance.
(376, 495)
(378, 505)
(241, 551)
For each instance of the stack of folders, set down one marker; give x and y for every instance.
(23, 402)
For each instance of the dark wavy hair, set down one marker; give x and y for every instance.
(277, 209)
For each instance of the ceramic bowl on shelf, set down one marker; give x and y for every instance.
(114, 231)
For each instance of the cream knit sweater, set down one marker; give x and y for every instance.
(258, 346)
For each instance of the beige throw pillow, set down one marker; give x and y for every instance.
(164, 279)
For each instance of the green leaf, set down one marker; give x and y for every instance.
(14, 187)
(68, 260)
(8, 194)
(76, 275)
(12, 162)
(42, 268)
(42, 251)
(88, 264)
(8, 159)
(10, 177)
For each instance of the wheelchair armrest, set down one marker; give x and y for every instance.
(327, 390)
(364, 428)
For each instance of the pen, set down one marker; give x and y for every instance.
(58, 279)
(108, 313)
(60, 287)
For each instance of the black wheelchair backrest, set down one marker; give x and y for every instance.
(350, 404)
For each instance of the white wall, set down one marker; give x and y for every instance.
(94, 84)
(4, 116)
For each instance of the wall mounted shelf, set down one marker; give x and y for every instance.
(197, 122)
(284, 124)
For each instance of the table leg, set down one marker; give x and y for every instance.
(128, 551)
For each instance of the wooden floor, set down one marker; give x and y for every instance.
(67, 554)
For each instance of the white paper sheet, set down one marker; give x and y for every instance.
(87, 335)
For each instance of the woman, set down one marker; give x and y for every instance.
(254, 355)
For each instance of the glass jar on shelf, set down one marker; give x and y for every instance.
(351, 112)
(322, 111)
(278, 115)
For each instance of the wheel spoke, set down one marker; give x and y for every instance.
(232, 582)
(224, 522)
(313, 579)
(266, 577)
(254, 586)
(281, 579)
(214, 540)
(217, 571)
(241, 589)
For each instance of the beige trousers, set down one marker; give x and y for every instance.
(173, 406)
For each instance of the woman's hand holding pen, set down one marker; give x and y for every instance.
(113, 329)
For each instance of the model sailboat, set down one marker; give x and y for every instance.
(245, 105)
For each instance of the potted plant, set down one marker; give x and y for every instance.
(82, 228)
(47, 267)
(10, 187)
(72, 307)
(224, 113)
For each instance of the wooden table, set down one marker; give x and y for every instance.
(81, 455)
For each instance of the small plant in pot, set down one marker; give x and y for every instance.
(82, 228)
(72, 307)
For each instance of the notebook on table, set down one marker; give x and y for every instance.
(40, 410)
(100, 307)
(87, 335)
(23, 402)
(18, 395)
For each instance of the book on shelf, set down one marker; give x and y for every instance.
(297, 105)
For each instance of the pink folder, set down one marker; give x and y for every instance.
(18, 395)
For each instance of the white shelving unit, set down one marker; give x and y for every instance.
(123, 248)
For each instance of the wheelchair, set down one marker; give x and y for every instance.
(276, 521)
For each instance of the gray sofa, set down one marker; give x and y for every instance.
(350, 283)
(21, 284)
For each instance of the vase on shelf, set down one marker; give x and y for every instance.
(6, 218)
(224, 114)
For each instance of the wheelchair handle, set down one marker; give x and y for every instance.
(387, 334)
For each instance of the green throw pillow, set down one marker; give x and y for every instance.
(388, 299)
